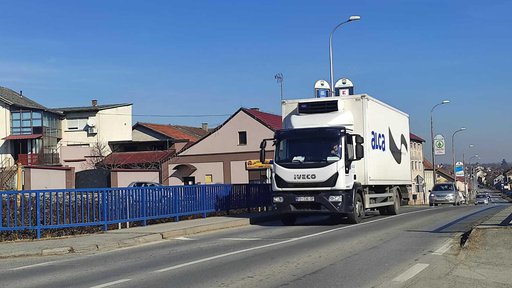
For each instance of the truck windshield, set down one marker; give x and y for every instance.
(308, 147)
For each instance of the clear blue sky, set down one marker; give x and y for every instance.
(212, 57)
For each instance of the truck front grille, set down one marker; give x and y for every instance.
(331, 182)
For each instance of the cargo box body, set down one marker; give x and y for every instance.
(385, 131)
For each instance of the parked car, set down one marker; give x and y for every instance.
(482, 199)
(444, 193)
(144, 184)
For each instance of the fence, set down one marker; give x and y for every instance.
(50, 209)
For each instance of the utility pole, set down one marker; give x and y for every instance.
(279, 78)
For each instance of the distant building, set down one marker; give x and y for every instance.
(418, 195)
(88, 130)
(29, 133)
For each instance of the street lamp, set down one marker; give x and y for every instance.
(472, 170)
(464, 169)
(453, 153)
(432, 136)
(350, 19)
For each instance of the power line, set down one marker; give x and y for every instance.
(169, 116)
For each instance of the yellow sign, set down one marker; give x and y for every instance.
(256, 164)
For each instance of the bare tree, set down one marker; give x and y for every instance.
(99, 151)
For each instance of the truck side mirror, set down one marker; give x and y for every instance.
(263, 144)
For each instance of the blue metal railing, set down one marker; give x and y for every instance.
(53, 209)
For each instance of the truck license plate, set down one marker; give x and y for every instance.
(305, 199)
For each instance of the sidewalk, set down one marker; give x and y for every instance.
(114, 239)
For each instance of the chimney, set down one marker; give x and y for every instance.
(94, 103)
(21, 93)
(204, 126)
(255, 109)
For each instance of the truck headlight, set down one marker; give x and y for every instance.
(336, 198)
(277, 199)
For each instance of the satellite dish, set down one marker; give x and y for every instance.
(91, 122)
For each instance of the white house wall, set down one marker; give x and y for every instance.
(75, 156)
(239, 174)
(112, 125)
(225, 140)
(214, 168)
(5, 130)
(47, 179)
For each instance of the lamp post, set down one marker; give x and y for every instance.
(464, 169)
(350, 19)
(472, 177)
(432, 137)
(453, 153)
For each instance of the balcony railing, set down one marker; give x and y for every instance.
(39, 159)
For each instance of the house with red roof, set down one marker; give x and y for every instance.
(229, 153)
(151, 146)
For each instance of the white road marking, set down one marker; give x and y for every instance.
(33, 265)
(111, 283)
(240, 239)
(443, 248)
(281, 242)
(183, 238)
(411, 272)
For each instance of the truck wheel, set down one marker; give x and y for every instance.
(358, 212)
(395, 209)
(288, 220)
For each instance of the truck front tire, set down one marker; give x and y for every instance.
(358, 212)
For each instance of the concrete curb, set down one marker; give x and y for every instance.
(140, 240)
(57, 251)
(204, 228)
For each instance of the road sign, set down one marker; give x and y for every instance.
(459, 169)
(439, 145)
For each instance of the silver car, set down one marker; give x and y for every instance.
(482, 199)
(444, 193)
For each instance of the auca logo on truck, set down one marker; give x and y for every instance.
(395, 151)
(379, 143)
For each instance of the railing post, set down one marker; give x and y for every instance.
(203, 191)
(104, 203)
(177, 203)
(38, 214)
(144, 207)
(247, 197)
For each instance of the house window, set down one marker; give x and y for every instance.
(208, 178)
(242, 138)
(26, 122)
(77, 124)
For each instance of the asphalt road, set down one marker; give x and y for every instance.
(383, 251)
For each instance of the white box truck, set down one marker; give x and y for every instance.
(341, 156)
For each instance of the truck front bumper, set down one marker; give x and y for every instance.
(314, 203)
